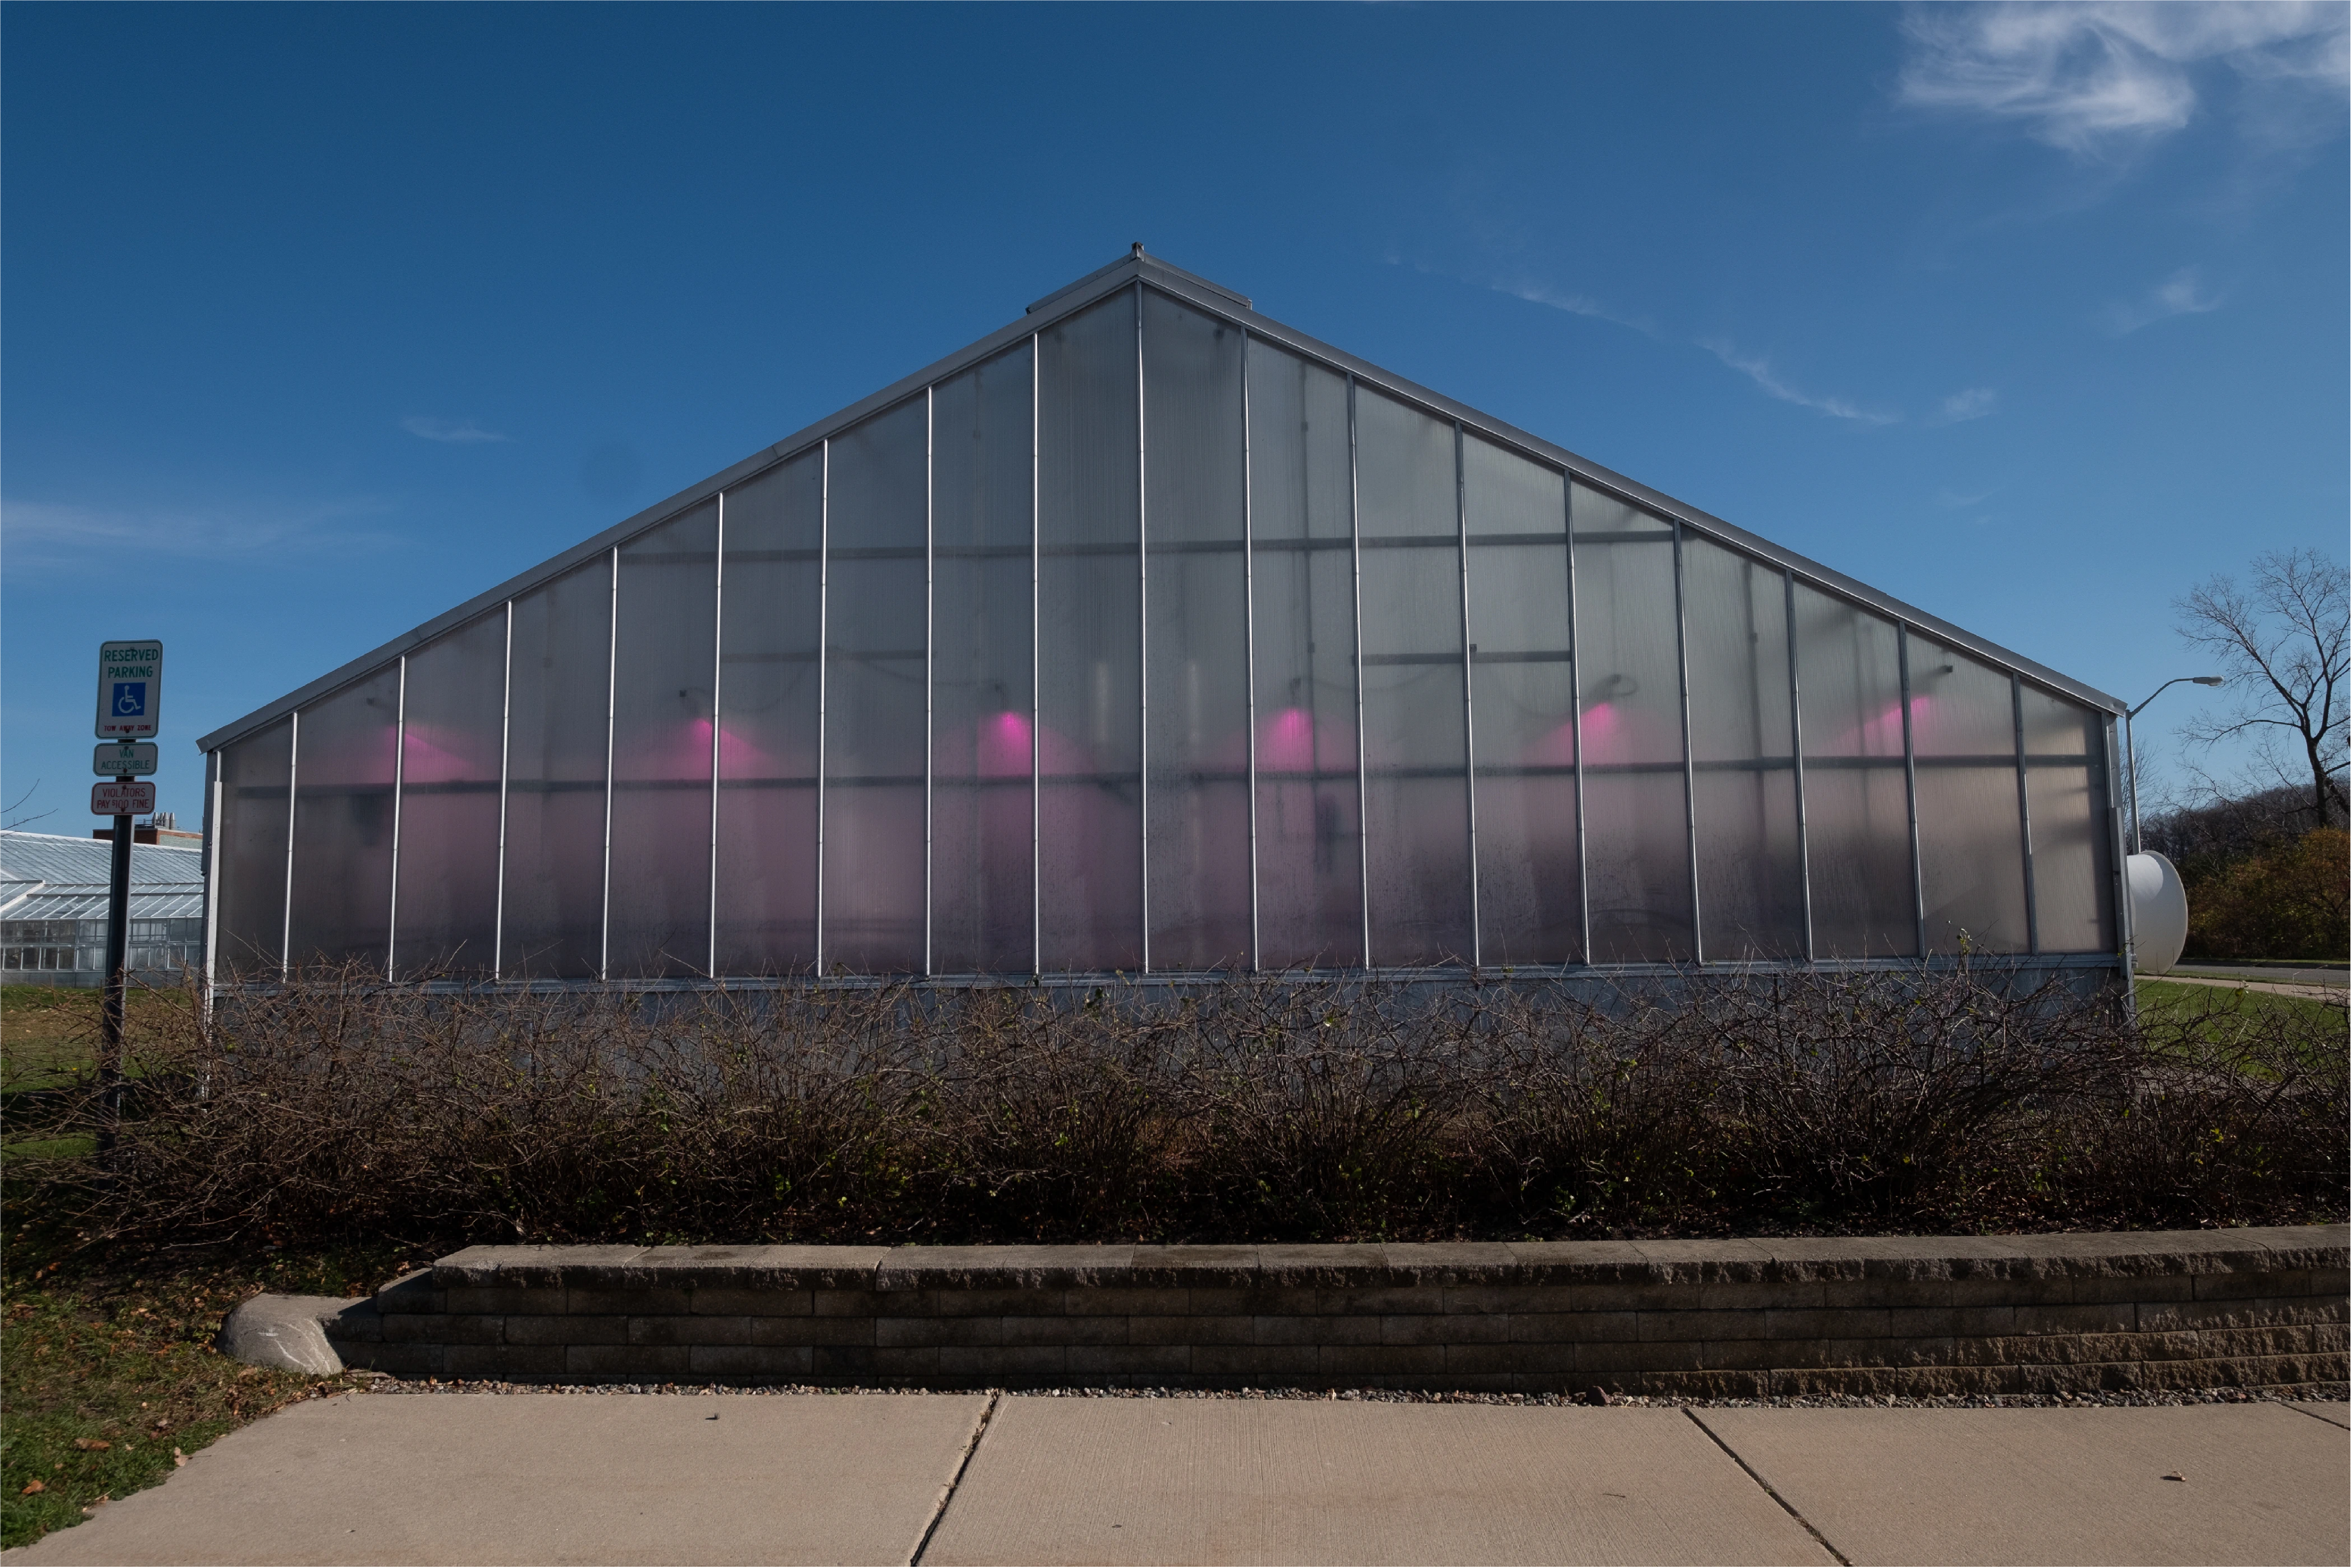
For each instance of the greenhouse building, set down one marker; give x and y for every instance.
(1147, 636)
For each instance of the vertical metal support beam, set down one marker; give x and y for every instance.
(2024, 820)
(1143, 624)
(823, 672)
(717, 674)
(1036, 695)
(1689, 763)
(1575, 716)
(1248, 637)
(1910, 789)
(506, 743)
(399, 782)
(293, 802)
(1468, 690)
(210, 860)
(1796, 751)
(2118, 882)
(1362, 782)
(930, 642)
(611, 687)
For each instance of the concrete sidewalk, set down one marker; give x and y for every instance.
(736, 1478)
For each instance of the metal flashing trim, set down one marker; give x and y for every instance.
(1231, 307)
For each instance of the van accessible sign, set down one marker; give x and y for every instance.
(124, 758)
(129, 690)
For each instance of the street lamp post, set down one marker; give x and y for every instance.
(2130, 754)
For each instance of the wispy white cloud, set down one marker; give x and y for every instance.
(52, 533)
(2099, 77)
(1759, 371)
(2181, 293)
(1973, 402)
(463, 432)
(1574, 305)
(1756, 369)
(1951, 500)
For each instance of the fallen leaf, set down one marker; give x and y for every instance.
(250, 1371)
(178, 1459)
(92, 1510)
(2175, 1476)
(92, 1444)
(35, 1484)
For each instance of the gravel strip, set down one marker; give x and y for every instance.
(381, 1383)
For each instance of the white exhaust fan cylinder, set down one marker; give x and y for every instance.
(2158, 912)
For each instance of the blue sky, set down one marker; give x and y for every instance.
(319, 320)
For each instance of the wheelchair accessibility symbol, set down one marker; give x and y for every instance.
(130, 699)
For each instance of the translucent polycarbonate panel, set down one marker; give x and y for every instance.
(1628, 673)
(982, 887)
(448, 907)
(1737, 639)
(1522, 691)
(767, 720)
(1309, 854)
(2073, 852)
(877, 629)
(1750, 878)
(1300, 487)
(1971, 823)
(665, 662)
(1196, 616)
(1416, 740)
(1404, 467)
(1750, 875)
(1601, 515)
(555, 775)
(1090, 644)
(1309, 851)
(250, 856)
(342, 890)
(1856, 800)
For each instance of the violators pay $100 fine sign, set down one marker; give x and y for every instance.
(129, 690)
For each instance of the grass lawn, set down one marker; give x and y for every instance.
(2227, 1015)
(49, 1033)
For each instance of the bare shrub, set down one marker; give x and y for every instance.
(334, 1107)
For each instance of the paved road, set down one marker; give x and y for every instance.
(958, 1479)
(2315, 974)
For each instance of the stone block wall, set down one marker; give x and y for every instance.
(1909, 1315)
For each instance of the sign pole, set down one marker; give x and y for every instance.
(130, 713)
(118, 944)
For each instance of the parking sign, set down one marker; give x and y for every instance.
(129, 690)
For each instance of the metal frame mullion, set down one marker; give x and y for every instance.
(399, 780)
(2118, 853)
(1689, 764)
(2024, 820)
(1035, 623)
(1143, 624)
(1362, 777)
(1910, 787)
(1575, 715)
(506, 742)
(1249, 638)
(1796, 748)
(717, 673)
(1469, 692)
(293, 805)
(210, 860)
(930, 642)
(823, 673)
(611, 687)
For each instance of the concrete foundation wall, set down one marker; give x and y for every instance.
(1910, 1315)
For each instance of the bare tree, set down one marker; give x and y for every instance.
(2285, 642)
(7, 821)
